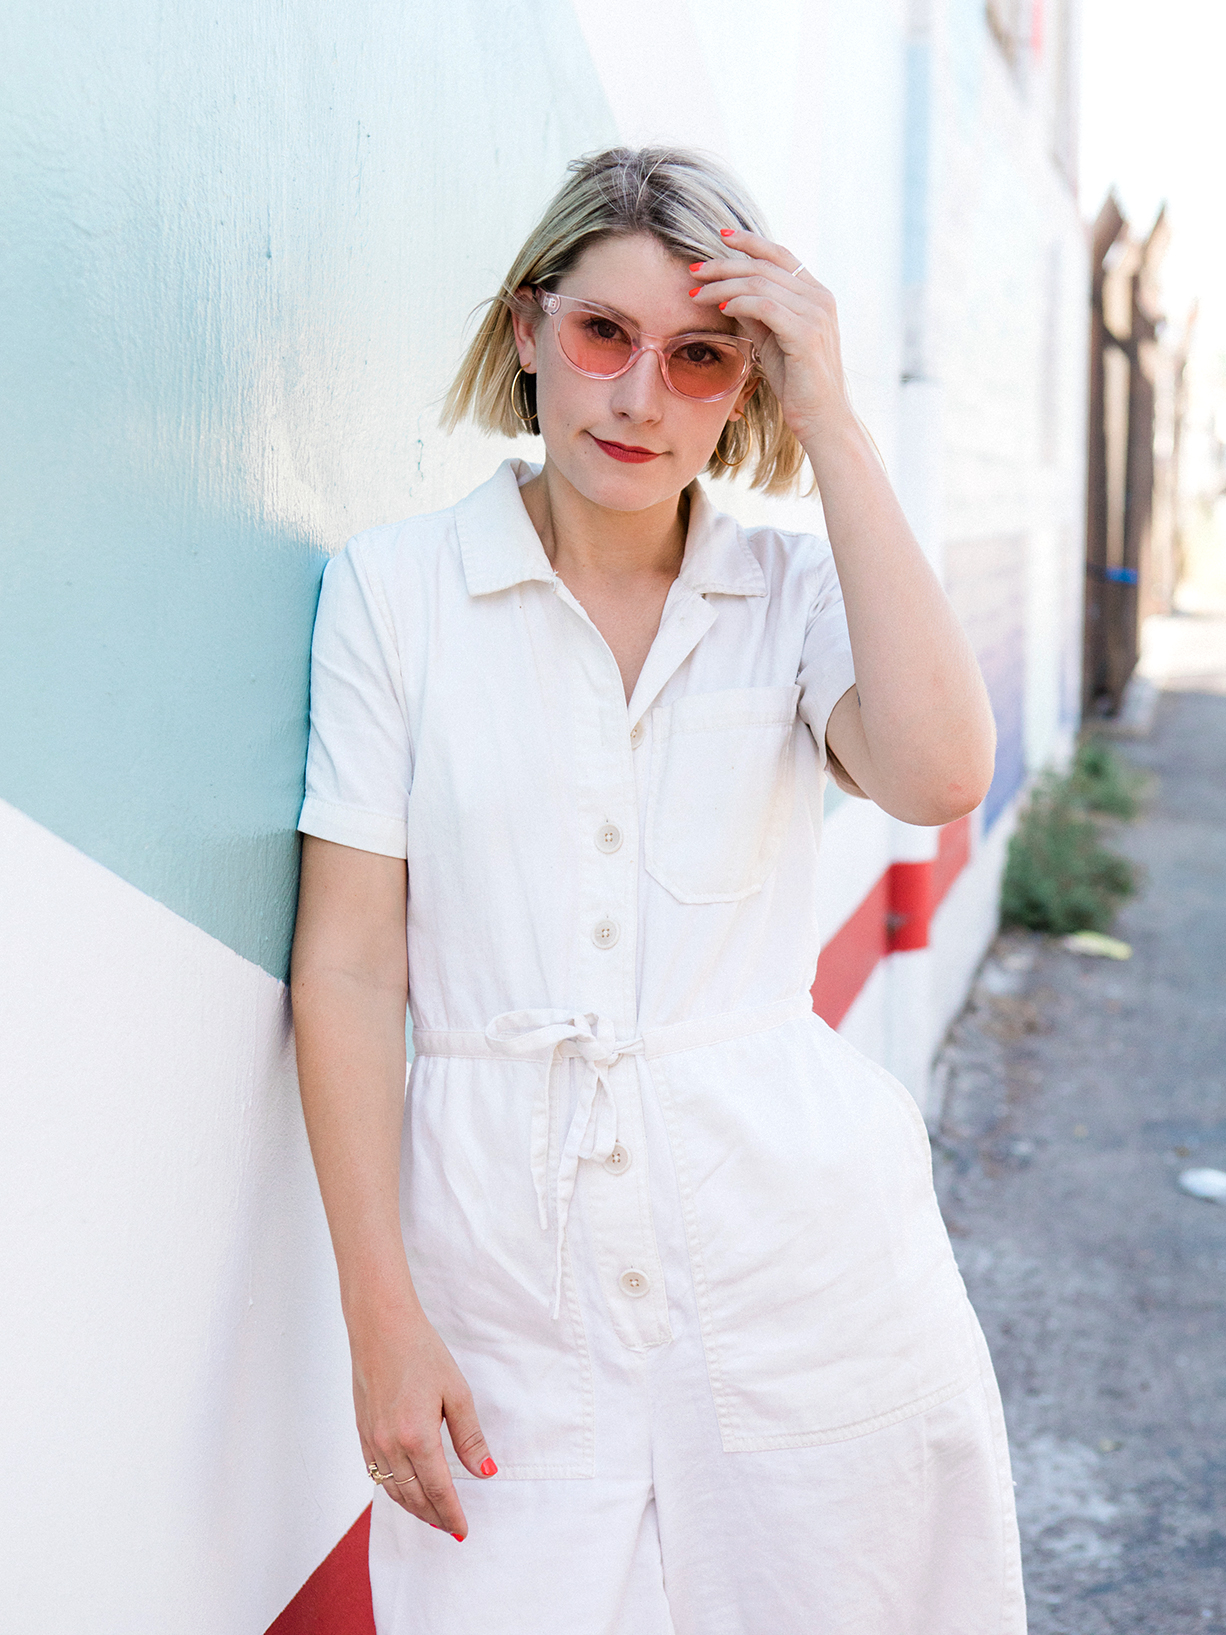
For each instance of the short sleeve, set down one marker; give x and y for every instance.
(826, 668)
(359, 759)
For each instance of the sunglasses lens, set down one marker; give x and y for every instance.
(595, 344)
(705, 368)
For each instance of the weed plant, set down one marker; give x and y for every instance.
(1059, 876)
(1102, 782)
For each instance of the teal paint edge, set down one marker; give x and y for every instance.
(156, 715)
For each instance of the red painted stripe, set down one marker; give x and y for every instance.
(335, 1600)
(953, 854)
(910, 894)
(895, 916)
(850, 957)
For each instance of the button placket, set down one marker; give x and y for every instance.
(608, 838)
(606, 933)
(619, 1160)
(617, 1204)
(634, 1284)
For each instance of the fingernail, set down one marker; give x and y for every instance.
(722, 305)
(726, 232)
(695, 266)
(458, 1537)
(696, 289)
(488, 1468)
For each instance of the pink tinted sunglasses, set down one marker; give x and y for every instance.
(602, 344)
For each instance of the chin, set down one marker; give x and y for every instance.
(605, 482)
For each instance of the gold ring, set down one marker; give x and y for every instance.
(796, 271)
(403, 1481)
(376, 1475)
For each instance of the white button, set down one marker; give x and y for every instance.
(635, 1284)
(636, 734)
(605, 933)
(608, 837)
(619, 1160)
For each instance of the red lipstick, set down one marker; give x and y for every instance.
(621, 451)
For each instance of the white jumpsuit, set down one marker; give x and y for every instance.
(680, 1237)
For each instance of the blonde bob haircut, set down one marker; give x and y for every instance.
(682, 199)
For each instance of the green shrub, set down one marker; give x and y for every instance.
(1102, 782)
(1059, 877)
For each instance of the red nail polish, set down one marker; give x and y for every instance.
(726, 232)
(696, 289)
(458, 1537)
(695, 266)
(722, 305)
(488, 1468)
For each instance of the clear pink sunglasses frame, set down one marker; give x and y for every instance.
(663, 346)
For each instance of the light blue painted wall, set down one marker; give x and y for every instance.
(241, 243)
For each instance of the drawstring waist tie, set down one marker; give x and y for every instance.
(550, 1035)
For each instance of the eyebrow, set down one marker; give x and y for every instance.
(625, 317)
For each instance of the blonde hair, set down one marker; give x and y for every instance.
(680, 198)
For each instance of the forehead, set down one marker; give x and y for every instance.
(645, 282)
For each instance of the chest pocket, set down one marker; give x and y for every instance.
(721, 791)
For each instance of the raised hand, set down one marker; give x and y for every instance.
(792, 320)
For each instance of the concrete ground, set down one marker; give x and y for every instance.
(1077, 1089)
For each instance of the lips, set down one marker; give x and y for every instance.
(625, 452)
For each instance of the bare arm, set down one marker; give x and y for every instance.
(349, 984)
(916, 732)
(920, 739)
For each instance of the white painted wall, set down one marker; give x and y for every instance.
(177, 1443)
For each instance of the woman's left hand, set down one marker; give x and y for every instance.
(791, 319)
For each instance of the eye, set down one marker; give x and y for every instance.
(604, 329)
(701, 353)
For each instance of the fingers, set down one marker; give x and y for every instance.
(723, 290)
(410, 1492)
(762, 269)
(434, 1496)
(764, 249)
(466, 1436)
(743, 277)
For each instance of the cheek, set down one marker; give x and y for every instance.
(702, 423)
(565, 399)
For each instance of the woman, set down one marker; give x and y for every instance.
(651, 1291)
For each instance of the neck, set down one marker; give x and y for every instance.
(583, 538)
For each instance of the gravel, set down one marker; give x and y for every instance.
(1077, 1092)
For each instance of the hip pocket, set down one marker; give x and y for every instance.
(828, 1296)
(721, 791)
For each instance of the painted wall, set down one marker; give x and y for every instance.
(241, 247)
(240, 252)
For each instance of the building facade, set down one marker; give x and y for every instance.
(241, 248)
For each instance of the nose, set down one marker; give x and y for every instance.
(639, 394)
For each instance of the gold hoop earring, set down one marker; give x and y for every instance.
(731, 465)
(528, 421)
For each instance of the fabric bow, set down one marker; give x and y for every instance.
(593, 1127)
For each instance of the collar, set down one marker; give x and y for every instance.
(717, 557)
(500, 547)
(498, 544)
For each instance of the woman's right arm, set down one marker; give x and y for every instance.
(349, 984)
